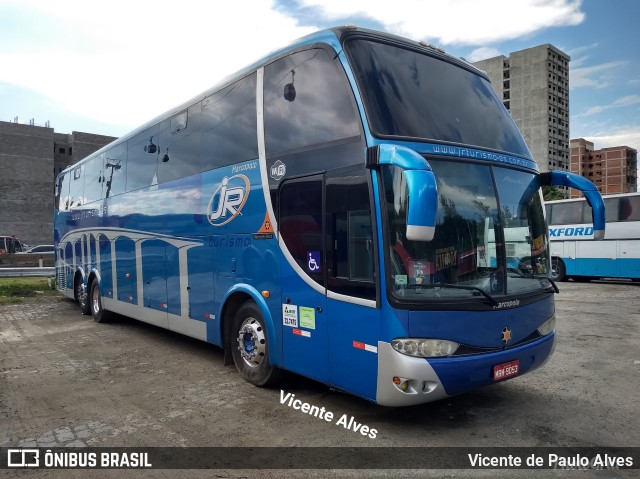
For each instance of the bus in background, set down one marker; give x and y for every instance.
(322, 212)
(571, 228)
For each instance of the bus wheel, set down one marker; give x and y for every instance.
(81, 296)
(558, 271)
(97, 311)
(249, 347)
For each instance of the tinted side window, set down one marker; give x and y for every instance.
(142, 159)
(567, 213)
(62, 192)
(630, 208)
(229, 125)
(93, 179)
(611, 206)
(179, 145)
(115, 170)
(349, 235)
(76, 187)
(300, 223)
(307, 101)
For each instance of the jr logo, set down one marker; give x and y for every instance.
(228, 200)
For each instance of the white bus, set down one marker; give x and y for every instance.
(616, 256)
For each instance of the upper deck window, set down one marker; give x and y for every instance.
(413, 95)
(307, 103)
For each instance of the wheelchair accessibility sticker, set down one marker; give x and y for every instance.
(313, 262)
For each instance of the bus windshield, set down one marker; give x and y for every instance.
(412, 95)
(490, 235)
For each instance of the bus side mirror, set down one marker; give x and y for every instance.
(590, 191)
(422, 189)
(423, 204)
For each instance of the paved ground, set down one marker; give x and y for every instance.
(67, 381)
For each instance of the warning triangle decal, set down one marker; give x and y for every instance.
(267, 226)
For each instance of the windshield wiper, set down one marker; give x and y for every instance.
(455, 286)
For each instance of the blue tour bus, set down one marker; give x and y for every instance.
(325, 211)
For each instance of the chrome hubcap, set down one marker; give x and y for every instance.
(82, 294)
(96, 301)
(252, 342)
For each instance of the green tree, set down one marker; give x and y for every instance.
(552, 193)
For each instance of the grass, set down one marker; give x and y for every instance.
(13, 290)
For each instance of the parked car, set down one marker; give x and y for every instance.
(40, 249)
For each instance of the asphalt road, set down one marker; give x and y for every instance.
(68, 381)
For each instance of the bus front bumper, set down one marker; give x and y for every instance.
(437, 378)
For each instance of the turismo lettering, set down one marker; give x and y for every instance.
(231, 241)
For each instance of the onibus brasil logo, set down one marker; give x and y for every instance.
(228, 200)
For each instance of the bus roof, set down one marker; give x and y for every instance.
(331, 36)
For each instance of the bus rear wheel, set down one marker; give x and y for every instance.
(97, 311)
(249, 346)
(558, 271)
(81, 296)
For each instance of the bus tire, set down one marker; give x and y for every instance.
(558, 270)
(82, 297)
(249, 346)
(100, 315)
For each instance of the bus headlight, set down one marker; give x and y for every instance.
(548, 326)
(424, 348)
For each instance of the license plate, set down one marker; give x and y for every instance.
(506, 370)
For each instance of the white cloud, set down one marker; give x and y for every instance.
(459, 22)
(580, 55)
(597, 76)
(483, 53)
(625, 101)
(124, 62)
(624, 137)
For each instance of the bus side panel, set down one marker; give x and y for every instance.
(597, 258)
(354, 331)
(154, 275)
(629, 259)
(126, 270)
(567, 251)
(201, 289)
(106, 268)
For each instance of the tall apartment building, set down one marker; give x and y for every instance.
(613, 170)
(30, 158)
(534, 86)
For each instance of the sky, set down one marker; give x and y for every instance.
(108, 67)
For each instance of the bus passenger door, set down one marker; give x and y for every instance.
(354, 319)
(303, 295)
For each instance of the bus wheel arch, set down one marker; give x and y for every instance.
(558, 269)
(229, 310)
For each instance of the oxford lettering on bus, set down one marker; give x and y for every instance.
(578, 231)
